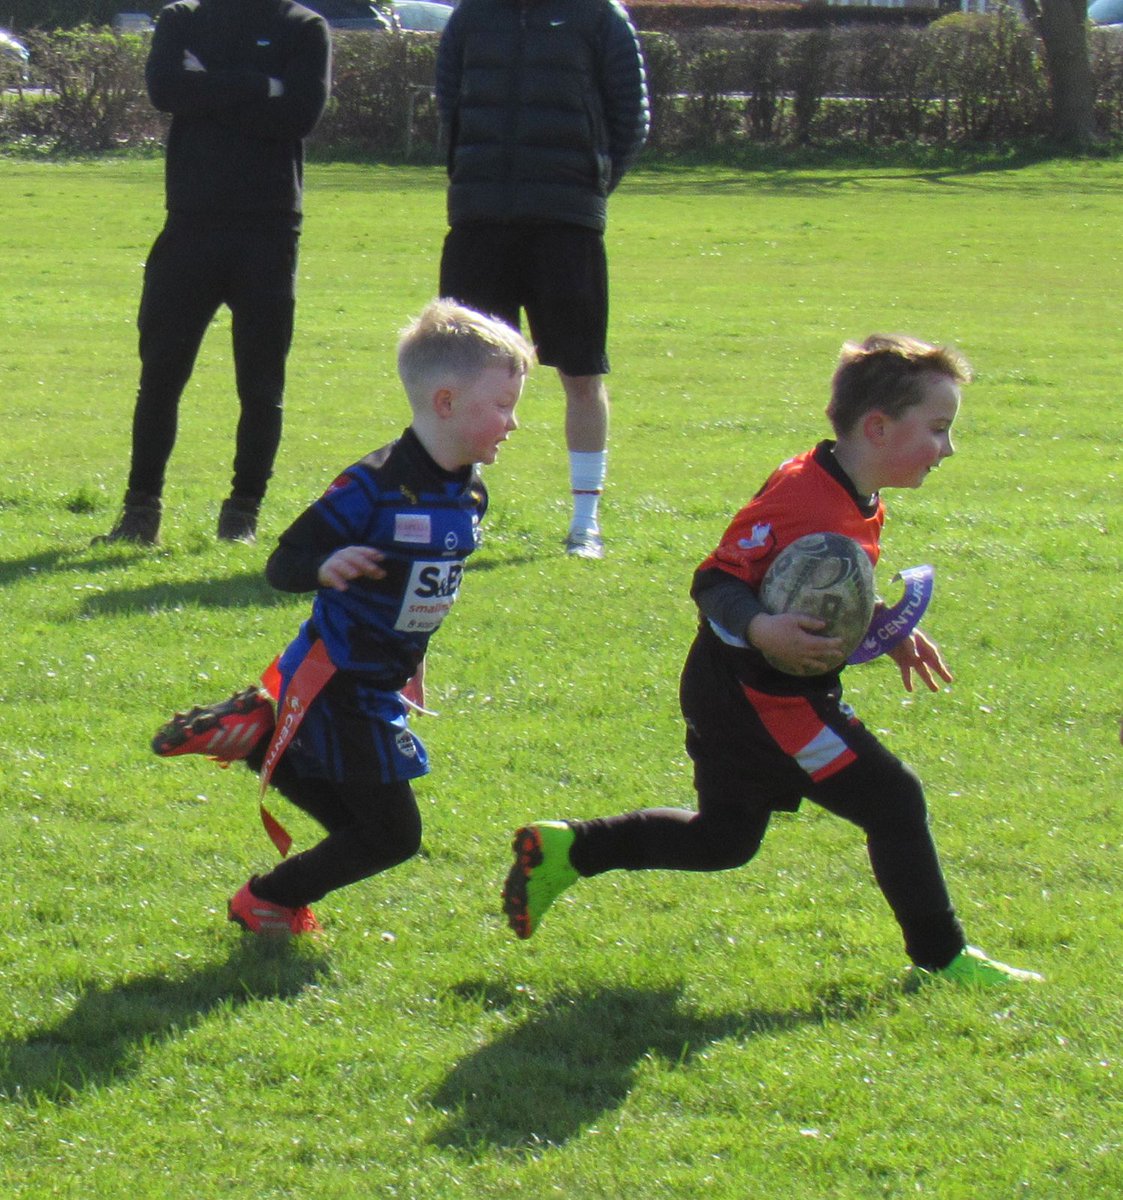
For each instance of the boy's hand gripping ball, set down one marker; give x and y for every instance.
(823, 575)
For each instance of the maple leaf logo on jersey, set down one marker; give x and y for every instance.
(760, 537)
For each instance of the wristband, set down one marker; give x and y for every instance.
(890, 626)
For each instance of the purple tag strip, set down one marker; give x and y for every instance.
(891, 626)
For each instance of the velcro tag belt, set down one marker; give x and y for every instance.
(308, 680)
(890, 626)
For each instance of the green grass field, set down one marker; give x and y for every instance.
(730, 1036)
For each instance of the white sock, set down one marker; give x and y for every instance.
(586, 477)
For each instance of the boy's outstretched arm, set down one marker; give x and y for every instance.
(917, 653)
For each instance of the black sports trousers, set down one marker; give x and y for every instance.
(742, 775)
(195, 267)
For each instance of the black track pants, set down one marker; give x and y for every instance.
(191, 271)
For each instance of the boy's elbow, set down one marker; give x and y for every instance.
(272, 573)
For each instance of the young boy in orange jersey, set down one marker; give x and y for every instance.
(761, 693)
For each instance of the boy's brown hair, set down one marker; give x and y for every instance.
(449, 342)
(885, 373)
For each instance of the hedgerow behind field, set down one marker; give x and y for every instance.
(966, 79)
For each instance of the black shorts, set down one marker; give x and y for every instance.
(767, 753)
(556, 274)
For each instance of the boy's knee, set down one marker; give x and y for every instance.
(905, 808)
(388, 843)
(730, 844)
(406, 845)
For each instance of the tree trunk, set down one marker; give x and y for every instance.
(1062, 26)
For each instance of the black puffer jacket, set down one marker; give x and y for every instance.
(544, 106)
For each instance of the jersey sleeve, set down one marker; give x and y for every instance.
(800, 497)
(725, 600)
(339, 518)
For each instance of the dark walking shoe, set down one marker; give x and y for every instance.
(237, 521)
(138, 523)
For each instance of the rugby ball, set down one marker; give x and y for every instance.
(823, 575)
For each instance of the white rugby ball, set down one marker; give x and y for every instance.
(823, 575)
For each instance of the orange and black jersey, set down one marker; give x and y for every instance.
(807, 494)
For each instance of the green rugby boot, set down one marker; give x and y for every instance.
(542, 871)
(971, 968)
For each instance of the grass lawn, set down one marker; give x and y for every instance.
(732, 1035)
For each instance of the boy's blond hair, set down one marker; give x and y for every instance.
(449, 343)
(885, 373)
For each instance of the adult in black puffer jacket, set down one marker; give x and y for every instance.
(544, 107)
(244, 81)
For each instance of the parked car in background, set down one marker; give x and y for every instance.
(350, 14)
(1107, 13)
(424, 16)
(133, 22)
(14, 58)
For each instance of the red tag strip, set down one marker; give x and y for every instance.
(307, 681)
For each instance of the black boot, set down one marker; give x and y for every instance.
(138, 523)
(237, 520)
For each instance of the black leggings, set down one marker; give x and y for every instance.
(741, 776)
(724, 835)
(370, 828)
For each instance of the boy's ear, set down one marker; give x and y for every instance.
(442, 401)
(874, 425)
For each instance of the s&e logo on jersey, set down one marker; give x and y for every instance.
(428, 595)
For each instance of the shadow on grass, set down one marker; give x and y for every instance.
(574, 1058)
(105, 1035)
(230, 591)
(17, 570)
(509, 561)
(813, 170)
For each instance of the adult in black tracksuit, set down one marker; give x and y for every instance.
(245, 81)
(544, 106)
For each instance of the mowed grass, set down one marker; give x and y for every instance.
(734, 1035)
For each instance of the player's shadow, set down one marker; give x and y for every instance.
(249, 588)
(106, 1034)
(575, 1057)
(233, 591)
(18, 570)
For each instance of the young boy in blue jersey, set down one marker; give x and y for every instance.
(383, 549)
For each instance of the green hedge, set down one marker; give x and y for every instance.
(26, 15)
(94, 99)
(965, 79)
